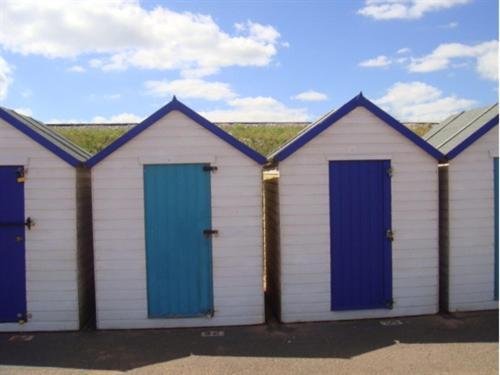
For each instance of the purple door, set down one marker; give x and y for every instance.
(12, 245)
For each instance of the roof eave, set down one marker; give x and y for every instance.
(358, 101)
(176, 105)
(8, 118)
(472, 138)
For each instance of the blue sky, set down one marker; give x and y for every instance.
(246, 60)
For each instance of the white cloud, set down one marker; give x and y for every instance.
(57, 120)
(117, 119)
(310, 96)
(76, 69)
(120, 118)
(190, 88)
(450, 25)
(27, 93)
(486, 55)
(123, 34)
(404, 50)
(405, 9)
(112, 96)
(376, 62)
(418, 101)
(24, 111)
(258, 32)
(256, 109)
(5, 77)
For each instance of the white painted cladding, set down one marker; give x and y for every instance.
(51, 245)
(119, 238)
(471, 226)
(305, 222)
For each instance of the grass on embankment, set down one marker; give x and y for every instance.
(263, 139)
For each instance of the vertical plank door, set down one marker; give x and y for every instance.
(178, 253)
(360, 234)
(12, 245)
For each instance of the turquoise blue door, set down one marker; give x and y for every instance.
(495, 176)
(178, 252)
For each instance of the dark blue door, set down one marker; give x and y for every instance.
(178, 253)
(360, 234)
(12, 251)
(495, 183)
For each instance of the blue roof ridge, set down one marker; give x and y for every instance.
(176, 105)
(326, 121)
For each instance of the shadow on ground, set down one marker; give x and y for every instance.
(125, 350)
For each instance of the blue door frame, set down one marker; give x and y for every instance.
(12, 245)
(178, 252)
(360, 234)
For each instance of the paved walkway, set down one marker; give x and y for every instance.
(459, 344)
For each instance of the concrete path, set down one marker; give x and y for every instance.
(458, 344)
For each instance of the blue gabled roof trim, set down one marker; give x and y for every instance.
(176, 105)
(23, 128)
(358, 101)
(473, 138)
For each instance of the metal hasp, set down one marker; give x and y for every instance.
(28, 223)
(389, 304)
(389, 234)
(390, 171)
(210, 232)
(209, 168)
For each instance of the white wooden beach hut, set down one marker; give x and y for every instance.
(355, 219)
(46, 275)
(469, 209)
(177, 226)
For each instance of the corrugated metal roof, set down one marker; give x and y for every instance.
(50, 135)
(458, 127)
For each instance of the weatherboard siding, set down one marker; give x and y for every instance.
(471, 226)
(51, 245)
(305, 222)
(119, 236)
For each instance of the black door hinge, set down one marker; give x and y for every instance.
(20, 175)
(209, 168)
(210, 232)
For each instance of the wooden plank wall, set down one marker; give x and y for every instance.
(119, 240)
(305, 224)
(272, 246)
(51, 245)
(471, 226)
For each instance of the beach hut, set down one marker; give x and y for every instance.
(177, 210)
(469, 209)
(46, 276)
(356, 219)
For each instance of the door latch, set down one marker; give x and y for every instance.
(28, 223)
(390, 171)
(210, 232)
(389, 234)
